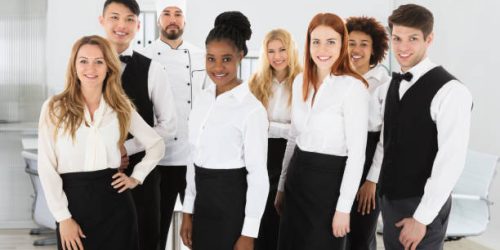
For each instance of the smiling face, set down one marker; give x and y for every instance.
(90, 66)
(222, 62)
(361, 50)
(277, 55)
(120, 25)
(409, 45)
(171, 23)
(325, 47)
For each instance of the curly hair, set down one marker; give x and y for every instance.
(376, 31)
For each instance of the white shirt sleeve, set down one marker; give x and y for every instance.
(190, 193)
(451, 110)
(161, 96)
(47, 168)
(255, 134)
(377, 108)
(355, 111)
(153, 143)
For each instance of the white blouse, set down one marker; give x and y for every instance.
(279, 111)
(227, 132)
(95, 148)
(375, 77)
(336, 124)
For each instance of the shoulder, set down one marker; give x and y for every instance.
(455, 89)
(192, 48)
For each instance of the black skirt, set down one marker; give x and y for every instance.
(269, 225)
(312, 189)
(107, 218)
(219, 207)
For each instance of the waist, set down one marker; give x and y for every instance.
(320, 158)
(86, 178)
(232, 172)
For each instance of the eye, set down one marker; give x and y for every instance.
(331, 42)
(270, 51)
(178, 15)
(352, 44)
(114, 17)
(83, 61)
(282, 50)
(226, 59)
(413, 39)
(396, 39)
(130, 19)
(315, 42)
(364, 45)
(210, 59)
(99, 62)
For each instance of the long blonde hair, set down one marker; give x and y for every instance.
(66, 110)
(261, 81)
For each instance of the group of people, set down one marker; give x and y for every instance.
(296, 157)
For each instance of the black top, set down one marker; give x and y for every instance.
(410, 136)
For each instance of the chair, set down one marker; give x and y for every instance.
(470, 209)
(41, 214)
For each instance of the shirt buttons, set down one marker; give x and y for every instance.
(189, 84)
(159, 53)
(185, 51)
(189, 101)
(187, 66)
(175, 138)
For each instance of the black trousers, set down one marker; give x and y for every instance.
(311, 193)
(219, 208)
(172, 183)
(269, 225)
(147, 204)
(107, 218)
(395, 210)
(363, 227)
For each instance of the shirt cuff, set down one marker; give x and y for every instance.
(373, 175)
(344, 205)
(281, 185)
(62, 214)
(425, 215)
(139, 175)
(251, 227)
(188, 204)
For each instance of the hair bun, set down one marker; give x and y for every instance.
(235, 20)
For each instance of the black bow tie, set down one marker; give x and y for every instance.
(399, 77)
(126, 59)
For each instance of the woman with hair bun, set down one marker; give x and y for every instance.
(227, 181)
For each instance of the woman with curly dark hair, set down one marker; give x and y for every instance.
(368, 44)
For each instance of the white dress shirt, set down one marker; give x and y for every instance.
(95, 148)
(160, 94)
(335, 124)
(451, 111)
(185, 68)
(375, 77)
(279, 110)
(227, 132)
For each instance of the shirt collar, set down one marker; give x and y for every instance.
(421, 68)
(378, 73)
(98, 114)
(165, 46)
(239, 92)
(128, 52)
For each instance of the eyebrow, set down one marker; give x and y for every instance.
(90, 57)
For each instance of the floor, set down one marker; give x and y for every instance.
(19, 239)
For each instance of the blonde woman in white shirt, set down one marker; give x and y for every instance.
(80, 132)
(272, 85)
(326, 149)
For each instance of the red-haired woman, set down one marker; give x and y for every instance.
(326, 148)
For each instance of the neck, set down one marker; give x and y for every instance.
(280, 75)
(174, 44)
(363, 69)
(222, 89)
(322, 74)
(120, 48)
(92, 97)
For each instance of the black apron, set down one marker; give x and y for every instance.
(107, 218)
(269, 225)
(219, 207)
(312, 189)
(363, 227)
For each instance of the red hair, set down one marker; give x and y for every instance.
(343, 64)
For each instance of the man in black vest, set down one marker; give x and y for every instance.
(426, 120)
(145, 82)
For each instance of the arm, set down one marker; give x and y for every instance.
(155, 147)
(255, 133)
(161, 96)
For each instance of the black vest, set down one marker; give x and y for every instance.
(135, 84)
(410, 137)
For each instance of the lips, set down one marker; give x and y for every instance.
(324, 58)
(91, 77)
(120, 34)
(219, 75)
(404, 56)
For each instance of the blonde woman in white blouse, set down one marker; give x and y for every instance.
(80, 131)
(272, 85)
(326, 148)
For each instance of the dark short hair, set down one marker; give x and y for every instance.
(232, 26)
(376, 31)
(132, 5)
(413, 16)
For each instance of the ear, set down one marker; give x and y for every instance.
(101, 20)
(138, 23)
(430, 38)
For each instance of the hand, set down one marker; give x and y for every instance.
(244, 243)
(124, 159)
(278, 202)
(412, 233)
(122, 182)
(70, 233)
(340, 224)
(187, 230)
(366, 197)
